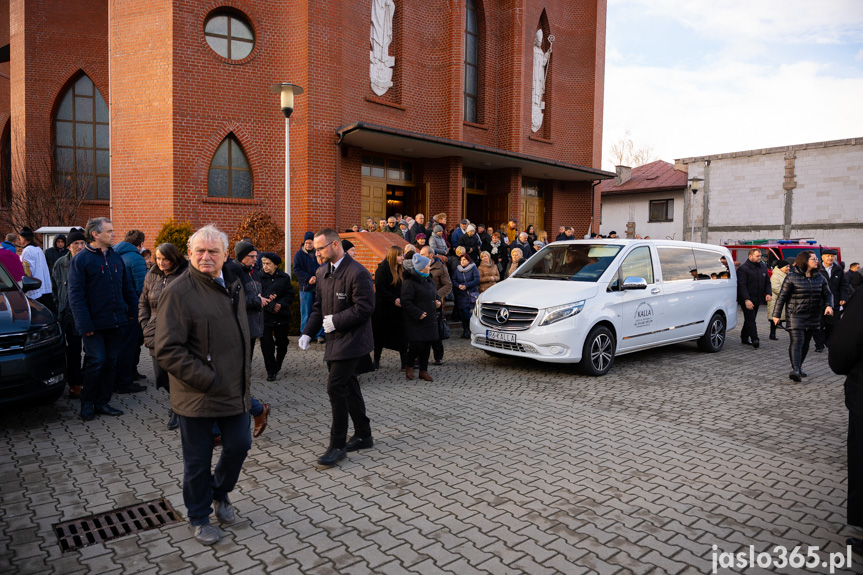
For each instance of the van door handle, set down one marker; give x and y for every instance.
(654, 291)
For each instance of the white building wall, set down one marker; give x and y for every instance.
(617, 210)
(747, 199)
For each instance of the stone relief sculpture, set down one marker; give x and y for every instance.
(381, 63)
(540, 67)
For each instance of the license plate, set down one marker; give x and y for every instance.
(500, 336)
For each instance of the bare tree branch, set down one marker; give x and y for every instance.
(625, 152)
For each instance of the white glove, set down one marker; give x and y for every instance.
(304, 342)
(329, 326)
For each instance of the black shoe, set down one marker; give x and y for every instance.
(332, 456)
(105, 409)
(819, 348)
(794, 376)
(355, 443)
(377, 364)
(756, 344)
(271, 377)
(773, 336)
(131, 388)
(745, 342)
(173, 420)
(138, 376)
(803, 373)
(438, 362)
(88, 412)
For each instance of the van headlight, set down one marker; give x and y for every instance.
(43, 336)
(559, 312)
(476, 308)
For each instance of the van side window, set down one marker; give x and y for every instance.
(677, 264)
(711, 265)
(638, 264)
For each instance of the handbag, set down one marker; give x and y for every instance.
(442, 327)
(472, 296)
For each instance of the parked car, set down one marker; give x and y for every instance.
(32, 355)
(588, 301)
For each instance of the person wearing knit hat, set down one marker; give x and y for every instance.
(305, 266)
(273, 257)
(421, 240)
(276, 288)
(419, 302)
(73, 341)
(780, 270)
(242, 249)
(349, 248)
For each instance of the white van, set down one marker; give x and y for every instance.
(589, 300)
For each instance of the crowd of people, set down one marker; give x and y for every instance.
(200, 314)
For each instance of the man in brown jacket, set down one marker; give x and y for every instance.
(201, 341)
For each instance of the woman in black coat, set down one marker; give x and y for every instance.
(387, 317)
(804, 294)
(419, 314)
(276, 287)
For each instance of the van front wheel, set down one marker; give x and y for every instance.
(598, 353)
(714, 336)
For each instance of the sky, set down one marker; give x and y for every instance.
(701, 77)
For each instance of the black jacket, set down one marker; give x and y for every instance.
(387, 317)
(473, 246)
(419, 296)
(280, 284)
(753, 282)
(804, 299)
(251, 280)
(837, 283)
(845, 352)
(101, 295)
(349, 296)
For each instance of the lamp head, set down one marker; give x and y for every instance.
(286, 93)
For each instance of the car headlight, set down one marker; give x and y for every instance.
(477, 309)
(559, 312)
(43, 336)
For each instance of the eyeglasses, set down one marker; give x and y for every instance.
(324, 247)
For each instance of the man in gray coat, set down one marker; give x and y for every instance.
(344, 302)
(201, 341)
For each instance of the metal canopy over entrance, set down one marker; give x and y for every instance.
(415, 145)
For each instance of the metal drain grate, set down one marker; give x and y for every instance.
(86, 531)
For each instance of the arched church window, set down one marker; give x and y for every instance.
(230, 175)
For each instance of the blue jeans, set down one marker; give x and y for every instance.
(307, 301)
(200, 485)
(101, 351)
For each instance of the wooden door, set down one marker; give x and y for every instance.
(420, 200)
(532, 212)
(498, 210)
(373, 200)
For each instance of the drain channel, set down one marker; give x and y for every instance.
(94, 529)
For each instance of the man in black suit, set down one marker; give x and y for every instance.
(344, 302)
(753, 289)
(838, 287)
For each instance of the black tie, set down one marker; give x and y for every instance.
(332, 269)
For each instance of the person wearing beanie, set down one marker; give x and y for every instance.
(242, 249)
(277, 289)
(438, 243)
(36, 266)
(780, 270)
(349, 248)
(73, 341)
(405, 230)
(471, 243)
(419, 302)
(56, 251)
(305, 266)
(420, 240)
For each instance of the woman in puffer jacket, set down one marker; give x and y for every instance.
(803, 296)
(170, 263)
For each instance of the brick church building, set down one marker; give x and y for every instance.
(154, 109)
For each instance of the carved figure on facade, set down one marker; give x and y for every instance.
(540, 69)
(381, 63)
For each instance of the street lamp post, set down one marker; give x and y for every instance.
(287, 92)
(693, 186)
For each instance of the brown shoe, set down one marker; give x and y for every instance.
(409, 372)
(261, 421)
(424, 375)
(74, 391)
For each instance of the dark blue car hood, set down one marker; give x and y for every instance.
(18, 313)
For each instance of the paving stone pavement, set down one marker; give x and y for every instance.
(498, 466)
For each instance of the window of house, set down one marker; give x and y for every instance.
(230, 35)
(82, 156)
(471, 62)
(474, 181)
(390, 169)
(661, 210)
(531, 188)
(230, 176)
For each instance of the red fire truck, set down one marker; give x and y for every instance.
(775, 250)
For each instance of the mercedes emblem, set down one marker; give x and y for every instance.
(502, 315)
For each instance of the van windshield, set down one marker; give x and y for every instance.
(579, 263)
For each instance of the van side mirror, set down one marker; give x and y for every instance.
(29, 284)
(632, 282)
